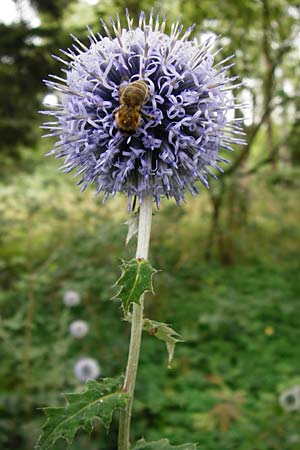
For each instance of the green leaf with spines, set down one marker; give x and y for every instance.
(162, 444)
(165, 333)
(136, 280)
(98, 400)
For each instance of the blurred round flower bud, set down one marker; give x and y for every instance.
(79, 329)
(71, 298)
(143, 111)
(290, 399)
(86, 369)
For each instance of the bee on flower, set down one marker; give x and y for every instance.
(143, 112)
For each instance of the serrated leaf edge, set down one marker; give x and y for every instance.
(123, 268)
(38, 447)
(173, 335)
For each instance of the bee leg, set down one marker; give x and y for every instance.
(116, 110)
(147, 116)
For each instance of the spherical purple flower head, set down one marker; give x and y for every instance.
(87, 369)
(183, 121)
(290, 399)
(71, 298)
(79, 329)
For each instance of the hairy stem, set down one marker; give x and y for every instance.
(145, 218)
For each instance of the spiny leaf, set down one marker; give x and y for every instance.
(136, 279)
(98, 400)
(165, 333)
(162, 444)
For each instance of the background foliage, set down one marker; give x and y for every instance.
(230, 258)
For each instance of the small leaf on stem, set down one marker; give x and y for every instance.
(136, 279)
(165, 333)
(98, 400)
(133, 226)
(162, 444)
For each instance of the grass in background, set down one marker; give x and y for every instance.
(240, 323)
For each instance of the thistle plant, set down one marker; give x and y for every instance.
(86, 369)
(144, 113)
(79, 329)
(71, 298)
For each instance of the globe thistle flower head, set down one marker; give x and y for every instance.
(79, 329)
(143, 112)
(86, 369)
(290, 399)
(71, 298)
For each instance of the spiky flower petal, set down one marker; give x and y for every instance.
(183, 123)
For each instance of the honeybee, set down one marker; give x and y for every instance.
(132, 98)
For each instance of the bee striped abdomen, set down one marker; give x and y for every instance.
(135, 94)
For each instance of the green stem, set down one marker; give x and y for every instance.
(145, 218)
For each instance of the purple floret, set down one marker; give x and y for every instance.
(185, 125)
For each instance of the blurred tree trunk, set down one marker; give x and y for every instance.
(215, 232)
(223, 226)
(268, 80)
